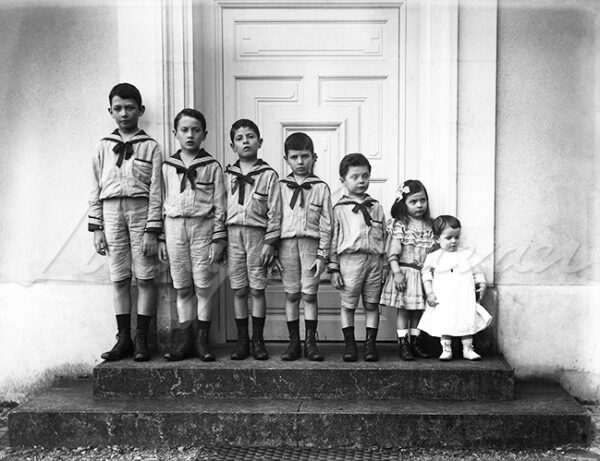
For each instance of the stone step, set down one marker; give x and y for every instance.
(389, 378)
(541, 415)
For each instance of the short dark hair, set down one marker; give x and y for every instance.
(125, 91)
(353, 160)
(243, 123)
(299, 141)
(442, 222)
(190, 113)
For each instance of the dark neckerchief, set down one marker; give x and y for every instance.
(362, 207)
(189, 172)
(306, 185)
(124, 150)
(242, 179)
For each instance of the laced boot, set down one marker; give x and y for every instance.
(294, 350)
(446, 350)
(141, 351)
(124, 346)
(417, 348)
(404, 349)
(351, 352)
(468, 351)
(242, 347)
(311, 351)
(202, 348)
(370, 345)
(183, 346)
(259, 350)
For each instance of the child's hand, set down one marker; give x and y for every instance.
(337, 281)
(163, 257)
(266, 255)
(100, 242)
(432, 299)
(215, 254)
(480, 289)
(149, 244)
(277, 265)
(318, 266)
(399, 281)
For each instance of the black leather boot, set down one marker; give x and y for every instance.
(183, 345)
(404, 349)
(123, 348)
(242, 347)
(311, 351)
(141, 352)
(294, 350)
(259, 350)
(351, 352)
(417, 348)
(202, 348)
(370, 346)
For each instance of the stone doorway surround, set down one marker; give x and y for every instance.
(449, 118)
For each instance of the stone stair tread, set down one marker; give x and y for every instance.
(389, 378)
(531, 398)
(388, 358)
(542, 414)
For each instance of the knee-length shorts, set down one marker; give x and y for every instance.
(188, 245)
(361, 273)
(296, 256)
(244, 246)
(124, 227)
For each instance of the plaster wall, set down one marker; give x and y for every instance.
(547, 220)
(58, 63)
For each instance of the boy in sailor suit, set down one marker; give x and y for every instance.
(253, 229)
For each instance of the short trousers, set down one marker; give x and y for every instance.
(188, 246)
(361, 273)
(124, 225)
(244, 245)
(296, 256)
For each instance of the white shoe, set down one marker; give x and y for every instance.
(469, 353)
(446, 350)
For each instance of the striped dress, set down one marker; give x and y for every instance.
(409, 244)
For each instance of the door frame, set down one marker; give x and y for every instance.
(170, 62)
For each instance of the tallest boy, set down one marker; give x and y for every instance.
(125, 216)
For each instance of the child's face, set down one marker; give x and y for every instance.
(416, 204)
(126, 113)
(246, 143)
(449, 238)
(190, 133)
(357, 180)
(300, 161)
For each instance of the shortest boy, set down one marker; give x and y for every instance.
(253, 229)
(357, 249)
(305, 243)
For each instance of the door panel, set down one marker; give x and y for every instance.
(333, 73)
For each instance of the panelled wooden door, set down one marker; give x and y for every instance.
(335, 74)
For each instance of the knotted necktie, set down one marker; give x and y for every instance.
(364, 209)
(298, 191)
(240, 183)
(189, 173)
(124, 150)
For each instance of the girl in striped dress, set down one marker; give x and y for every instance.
(410, 238)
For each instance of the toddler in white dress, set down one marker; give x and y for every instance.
(453, 285)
